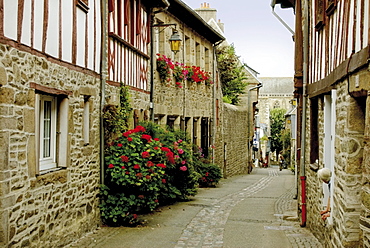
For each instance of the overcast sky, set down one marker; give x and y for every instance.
(262, 42)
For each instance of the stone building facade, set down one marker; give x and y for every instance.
(333, 119)
(49, 128)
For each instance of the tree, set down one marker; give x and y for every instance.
(277, 120)
(232, 74)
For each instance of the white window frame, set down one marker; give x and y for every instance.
(329, 147)
(47, 162)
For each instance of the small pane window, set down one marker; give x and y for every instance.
(47, 132)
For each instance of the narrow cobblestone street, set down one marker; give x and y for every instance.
(256, 210)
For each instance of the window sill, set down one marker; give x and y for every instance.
(53, 176)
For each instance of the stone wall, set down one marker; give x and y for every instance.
(52, 209)
(235, 122)
(348, 182)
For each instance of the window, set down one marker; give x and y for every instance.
(86, 120)
(51, 128)
(319, 14)
(197, 54)
(47, 120)
(207, 59)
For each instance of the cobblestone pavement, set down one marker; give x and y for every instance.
(207, 226)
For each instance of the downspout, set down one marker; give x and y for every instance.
(304, 107)
(214, 96)
(103, 79)
(151, 98)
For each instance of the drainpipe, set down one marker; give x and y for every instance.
(103, 79)
(152, 15)
(249, 126)
(304, 107)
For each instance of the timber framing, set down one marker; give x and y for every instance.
(349, 66)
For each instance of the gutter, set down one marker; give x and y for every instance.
(304, 108)
(103, 79)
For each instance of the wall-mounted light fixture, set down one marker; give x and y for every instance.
(175, 39)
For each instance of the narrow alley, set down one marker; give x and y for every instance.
(256, 210)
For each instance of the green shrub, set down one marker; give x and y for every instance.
(210, 174)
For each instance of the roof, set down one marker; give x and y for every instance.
(277, 85)
(283, 3)
(188, 16)
(156, 3)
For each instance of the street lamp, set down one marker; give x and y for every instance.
(175, 41)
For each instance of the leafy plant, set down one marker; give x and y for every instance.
(277, 120)
(232, 73)
(115, 118)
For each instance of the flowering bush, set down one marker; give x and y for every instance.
(135, 172)
(168, 69)
(210, 174)
(181, 177)
(143, 169)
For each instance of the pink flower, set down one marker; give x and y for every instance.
(183, 162)
(180, 151)
(183, 168)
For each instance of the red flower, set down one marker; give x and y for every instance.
(149, 163)
(145, 154)
(156, 139)
(207, 174)
(119, 145)
(136, 166)
(146, 137)
(165, 149)
(139, 129)
(140, 175)
(127, 172)
(156, 148)
(148, 177)
(161, 165)
(170, 157)
(110, 166)
(164, 180)
(123, 167)
(134, 216)
(125, 159)
(141, 196)
(156, 200)
(126, 134)
(129, 139)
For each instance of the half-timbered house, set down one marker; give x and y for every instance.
(50, 64)
(332, 82)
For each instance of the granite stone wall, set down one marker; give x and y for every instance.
(55, 208)
(349, 184)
